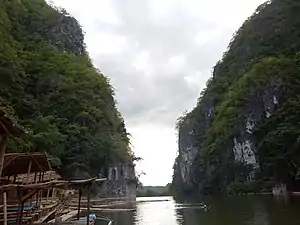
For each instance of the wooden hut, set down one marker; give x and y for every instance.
(31, 190)
(24, 183)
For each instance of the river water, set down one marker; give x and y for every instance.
(248, 210)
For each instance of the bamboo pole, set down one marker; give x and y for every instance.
(38, 193)
(2, 153)
(35, 175)
(43, 174)
(79, 200)
(41, 191)
(40, 177)
(35, 181)
(48, 191)
(54, 193)
(4, 208)
(21, 214)
(88, 206)
(28, 172)
(19, 205)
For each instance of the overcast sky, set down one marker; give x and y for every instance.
(158, 55)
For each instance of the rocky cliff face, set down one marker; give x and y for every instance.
(226, 138)
(121, 182)
(187, 151)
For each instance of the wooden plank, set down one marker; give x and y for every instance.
(41, 220)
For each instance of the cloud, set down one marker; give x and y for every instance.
(158, 55)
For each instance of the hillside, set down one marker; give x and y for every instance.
(243, 135)
(48, 83)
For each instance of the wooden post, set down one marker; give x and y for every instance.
(42, 189)
(28, 172)
(35, 175)
(40, 177)
(21, 214)
(54, 193)
(38, 193)
(41, 197)
(48, 191)
(79, 200)
(15, 178)
(88, 207)
(3, 142)
(34, 181)
(19, 205)
(36, 198)
(4, 208)
(43, 174)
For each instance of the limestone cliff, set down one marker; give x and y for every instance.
(50, 85)
(243, 128)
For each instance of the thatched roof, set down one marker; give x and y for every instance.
(18, 163)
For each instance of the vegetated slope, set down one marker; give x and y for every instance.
(49, 84)
(243, 135)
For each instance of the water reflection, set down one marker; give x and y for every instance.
(157, 211)
(247, 210)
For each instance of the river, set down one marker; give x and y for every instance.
(244, 210)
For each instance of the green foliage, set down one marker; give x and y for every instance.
(151, 191)
(262, 60)
(66, 105)
(247, 187)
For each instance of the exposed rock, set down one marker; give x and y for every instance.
(121, 182)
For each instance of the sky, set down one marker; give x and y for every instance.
(158, 55)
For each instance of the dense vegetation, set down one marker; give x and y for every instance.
(48, 83)
(257, 82)
(151, 191)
